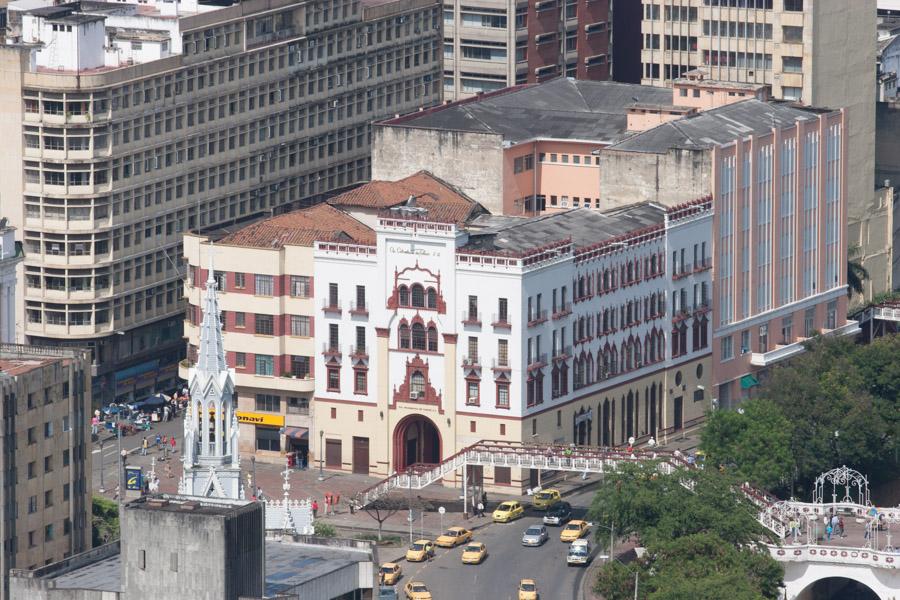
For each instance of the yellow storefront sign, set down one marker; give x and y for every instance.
(252, 418)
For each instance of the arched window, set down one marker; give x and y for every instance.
(614, 361)
(404, 295)
(626, 356)
(418, 296)
(432, 339)
(589, 369)
(637, 354)
(416, 385)
(660, 346)
(653, 265)
(418, 336)
(404, 335)
(431, 298)
(604, 365)
(629, 276)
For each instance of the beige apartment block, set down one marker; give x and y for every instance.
(46, 456)
(170, 117)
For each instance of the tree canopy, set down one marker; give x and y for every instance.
(835, 404)
(104, 521)
(698, 541)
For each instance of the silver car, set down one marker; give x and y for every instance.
(535, 536)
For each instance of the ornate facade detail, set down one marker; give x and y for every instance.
(416, 386)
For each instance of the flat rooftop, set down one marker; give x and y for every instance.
(720, 125)
(561, 108)
(188, 504)
(18, 366)
(288, 565)
(584, 226)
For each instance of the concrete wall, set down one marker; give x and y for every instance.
(872, 233)
(672, 178)
(179, 553)
(469, 161)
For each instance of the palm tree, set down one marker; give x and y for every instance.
(857, 274)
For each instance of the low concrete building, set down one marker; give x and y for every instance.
(202, 549)
(45, 499)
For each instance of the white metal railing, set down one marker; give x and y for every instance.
(836, 554)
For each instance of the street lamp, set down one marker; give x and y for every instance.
(102, 486)
(612, 538)
(321, 442)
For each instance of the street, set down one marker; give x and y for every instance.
(132, 444)
(507, 562)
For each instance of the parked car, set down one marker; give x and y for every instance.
(535, 535)
(558, 514)
(546, 498)
(416, 590)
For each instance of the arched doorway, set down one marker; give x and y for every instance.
(416, 441)
(837, 588)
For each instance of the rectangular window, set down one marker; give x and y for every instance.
(240, 360)
(472, 393)
(473, 347)
(359, 381)
(502, 395)
(300, 325)
(727, 348)
(268, 402)
(502, 475)
(300, 286)
(264, 324)
(502, 353)
(473, 308)
(763, 338)
(745, 342)
(300, 366)
(334, 379)
(809, 322)
(503, 310)
(265, 364)
(48, 429)
(240, 280)
(265, 285)
(360, 298)
(268, 438)
(334, 340)
(831, 315)
(787, 330)
(333, 300)
(361, 339)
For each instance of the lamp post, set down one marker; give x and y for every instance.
(321, 442)
(102, 486)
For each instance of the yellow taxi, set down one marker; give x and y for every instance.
(416, 590)
(546, 498)
(573, 530)
(420, 550)
(528, 590)
(507, 511)
(390, 573)
(474, 553)
(453, 537)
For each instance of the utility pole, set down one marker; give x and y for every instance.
(635, 586)
(102, 486)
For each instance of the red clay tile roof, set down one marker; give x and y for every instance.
(444, 203)
(302, 228)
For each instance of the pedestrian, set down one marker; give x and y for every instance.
(868, 533)
(828, 531)
(169, 472)
(158, 440)
(792, 525)
(166, 413)
(172, 443)
(834, 523)
(315, 508)
(144, 446)
(165, 441)
(484, 497)
(480, 509)
(841, 527)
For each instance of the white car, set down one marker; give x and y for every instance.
(579, 552)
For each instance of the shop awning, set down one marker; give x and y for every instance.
(298, 433)
(748, 381)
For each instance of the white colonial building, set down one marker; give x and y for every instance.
(578, 327)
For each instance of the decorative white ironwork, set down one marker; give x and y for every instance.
(852, 481)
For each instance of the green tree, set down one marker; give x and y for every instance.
(753, 442)
(857, 274)
(104, 521)
(322, 529)
(700, 534)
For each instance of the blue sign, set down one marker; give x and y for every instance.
(134, 478)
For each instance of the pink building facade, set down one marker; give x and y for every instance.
(779, 248)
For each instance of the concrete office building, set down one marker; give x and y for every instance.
(46, 458)
(130, 123)
(492, 44)
(203, 549)
(10, 256)
(818, 52)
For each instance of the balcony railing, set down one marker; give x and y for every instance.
(537, 362)
(537, 317)
(703, 264)
(331, 306)
(329, 349)
(472, 318)
(563, 310)
(501, 322)
(681, 314)
(500, 364)
(702, 307)
(359, 309)
(298, 410)
(359, 352)
(683, 272)
(471, 361)
(562, 353)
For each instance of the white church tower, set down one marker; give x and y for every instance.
(210, 457)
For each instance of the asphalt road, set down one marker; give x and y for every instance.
(507, 562)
